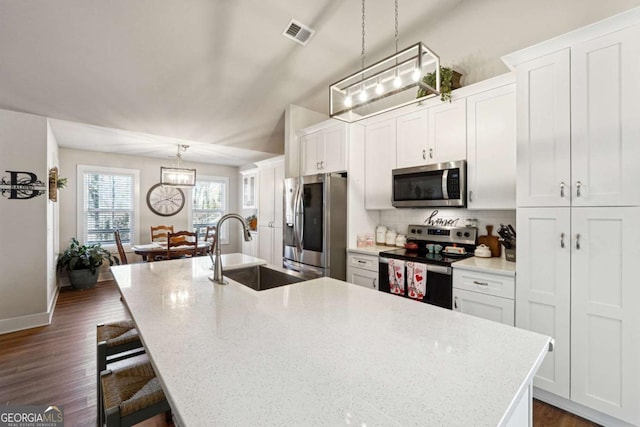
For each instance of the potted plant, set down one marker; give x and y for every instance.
(449, 80)
(82, 263)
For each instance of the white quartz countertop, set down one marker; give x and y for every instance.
(321, 352)
(494, 265)
(371, 250)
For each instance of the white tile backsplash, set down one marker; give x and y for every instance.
(400, 219)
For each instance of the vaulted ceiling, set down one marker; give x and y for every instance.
(139, 76)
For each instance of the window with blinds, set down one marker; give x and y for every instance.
(210, 202)
(108, 204)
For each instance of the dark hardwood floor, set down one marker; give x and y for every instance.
(55, 364)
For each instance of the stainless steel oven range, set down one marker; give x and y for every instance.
(422, 270)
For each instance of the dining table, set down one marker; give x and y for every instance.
(150, 251)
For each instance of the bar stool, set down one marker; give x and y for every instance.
(115, 341)
(131, 395)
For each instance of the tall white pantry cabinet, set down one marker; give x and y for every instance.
(578, 195)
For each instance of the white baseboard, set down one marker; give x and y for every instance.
(30, 321)
(578, 409)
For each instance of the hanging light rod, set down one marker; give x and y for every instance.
(385, 85)
(178, 176)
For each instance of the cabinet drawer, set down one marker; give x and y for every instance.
(362, 277)
(367, 262)
(486, 283)
(488, 307)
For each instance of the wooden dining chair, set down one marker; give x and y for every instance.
(185, 243)
(121, 252)
(159, 233)
(210, 237)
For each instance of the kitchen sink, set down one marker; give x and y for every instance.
(261, 277)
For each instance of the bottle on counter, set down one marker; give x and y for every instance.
(381, 232)
(370, 240)
(391, 238)
(401, 240)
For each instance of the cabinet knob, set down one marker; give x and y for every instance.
(562, 189)
(455, 303)
(578, 241)
(318, 165)
(578, 188)
(374, 282)
(431, 153)
(471, 196)
(322, 164)
(424, 154)
(562, 240)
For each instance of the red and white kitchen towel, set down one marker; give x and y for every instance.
(417, 278)
(396, 276)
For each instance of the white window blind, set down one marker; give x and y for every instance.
(108, 204)
(210, 202)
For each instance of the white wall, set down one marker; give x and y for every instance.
(149, 175)
(24, 296)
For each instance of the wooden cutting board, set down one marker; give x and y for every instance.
(491, 241)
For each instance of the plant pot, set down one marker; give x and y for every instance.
(83, 279)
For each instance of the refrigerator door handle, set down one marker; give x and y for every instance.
(297, 219)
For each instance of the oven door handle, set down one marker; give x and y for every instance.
(440, 269)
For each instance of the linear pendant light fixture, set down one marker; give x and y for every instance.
(178, 176)
(386, 85)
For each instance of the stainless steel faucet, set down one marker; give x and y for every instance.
(217, 263)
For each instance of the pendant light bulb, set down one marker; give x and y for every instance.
(397, 82)
(379, 88)
(348, 101)
(362, 96)
(416, 75)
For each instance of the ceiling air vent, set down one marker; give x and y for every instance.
(298, 32)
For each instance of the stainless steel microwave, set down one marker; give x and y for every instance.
(437, 185)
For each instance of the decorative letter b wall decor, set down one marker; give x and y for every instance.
(21, 186)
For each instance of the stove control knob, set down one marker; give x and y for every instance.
(466, 234)
(419, 231)
(413, 230)
(459, 234)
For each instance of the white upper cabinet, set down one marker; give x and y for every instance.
(491, 149)
(544, 131)
(577, 124)
(605, 108)
(324, 150)
(447, 132)
(432, 135)
(249, 187)
(411, 148)
(380, 160)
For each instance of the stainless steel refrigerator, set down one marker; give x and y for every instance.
(315, 225)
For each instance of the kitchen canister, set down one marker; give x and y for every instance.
(401, 240)
(381, 234)
(391, 238)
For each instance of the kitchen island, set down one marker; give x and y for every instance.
(322, 352)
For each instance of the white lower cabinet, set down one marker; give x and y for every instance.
(577, 282)
(362, 270)
(485, 295)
